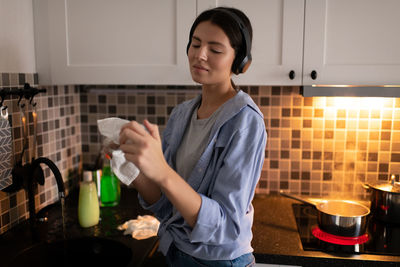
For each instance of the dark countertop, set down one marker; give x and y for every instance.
(19, 237)
(276, 240)
(275, 236)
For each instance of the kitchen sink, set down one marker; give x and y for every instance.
(86, 251)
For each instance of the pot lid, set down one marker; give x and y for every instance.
(392, 186)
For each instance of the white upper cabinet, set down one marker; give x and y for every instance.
(277, 47)
(113, 42)
(144, 42)
(352, 42)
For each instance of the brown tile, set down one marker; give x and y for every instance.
(316, 165)
(316, 155)
(372, 156)
(274, 164)
(285, 112)
(308, 101)
(285, 154)
(306, 155)
(395, 157)
(385, 136)
(296, 134)
(372, 167)
(294, 175)
(296, 112)
(306, 144)
(295, 144)
(275, 101)
(285, 123)
(274, 122)
(307, 123)
(297, 101)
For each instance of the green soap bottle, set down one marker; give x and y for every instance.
(110, 189)
(88, 206)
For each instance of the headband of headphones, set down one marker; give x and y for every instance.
(243, 57)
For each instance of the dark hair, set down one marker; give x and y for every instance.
(236, 26)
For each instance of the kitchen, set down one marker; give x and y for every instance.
(317, 146)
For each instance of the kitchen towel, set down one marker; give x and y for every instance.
(125, 170)
(5, 150)
(141, 228)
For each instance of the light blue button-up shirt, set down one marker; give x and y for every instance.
(225, 176)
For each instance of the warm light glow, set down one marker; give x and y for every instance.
(359, 102)
(351, 102)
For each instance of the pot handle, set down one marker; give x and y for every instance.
(366, 186)
(296, 198)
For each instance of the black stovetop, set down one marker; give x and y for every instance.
(384, 239)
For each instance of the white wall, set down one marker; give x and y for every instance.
(17, 52)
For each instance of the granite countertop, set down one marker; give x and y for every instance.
(19, 237)
(275, 236)
(276, 240)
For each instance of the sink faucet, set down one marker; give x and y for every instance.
(32, 173)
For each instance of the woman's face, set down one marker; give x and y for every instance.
(210, 55)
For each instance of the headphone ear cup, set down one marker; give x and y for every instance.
(241, 62)
(246, 65)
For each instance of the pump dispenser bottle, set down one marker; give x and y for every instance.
(88, 207)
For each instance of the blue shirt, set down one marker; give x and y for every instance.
(225, 176)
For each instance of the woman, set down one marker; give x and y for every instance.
(199, 180)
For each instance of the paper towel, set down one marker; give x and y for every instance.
(125, 170)
(141, 228)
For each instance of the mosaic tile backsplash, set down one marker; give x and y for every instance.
(316, 146)
(58, 138)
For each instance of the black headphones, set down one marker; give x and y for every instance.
(243, 57)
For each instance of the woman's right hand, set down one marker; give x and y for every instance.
(142, 147)
(108, 146)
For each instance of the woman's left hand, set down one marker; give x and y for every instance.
(143, 148)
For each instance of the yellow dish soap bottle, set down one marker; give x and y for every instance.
(88, 206)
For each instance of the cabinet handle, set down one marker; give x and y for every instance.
(292, 74)
(314, 75)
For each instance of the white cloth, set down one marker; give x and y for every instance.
(141, 228)
(125, 170)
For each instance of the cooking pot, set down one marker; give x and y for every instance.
(385, 200)
(339, 217)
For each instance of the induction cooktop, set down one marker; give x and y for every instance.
(380, 238)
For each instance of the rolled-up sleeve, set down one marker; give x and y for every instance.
(227, 210)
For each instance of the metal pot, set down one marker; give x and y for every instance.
(385, 200)
(339, 217)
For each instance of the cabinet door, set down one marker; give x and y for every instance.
(113, 42)
(352, 42)
(277, 39)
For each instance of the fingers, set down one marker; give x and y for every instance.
(153, 129)
(131, 132)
